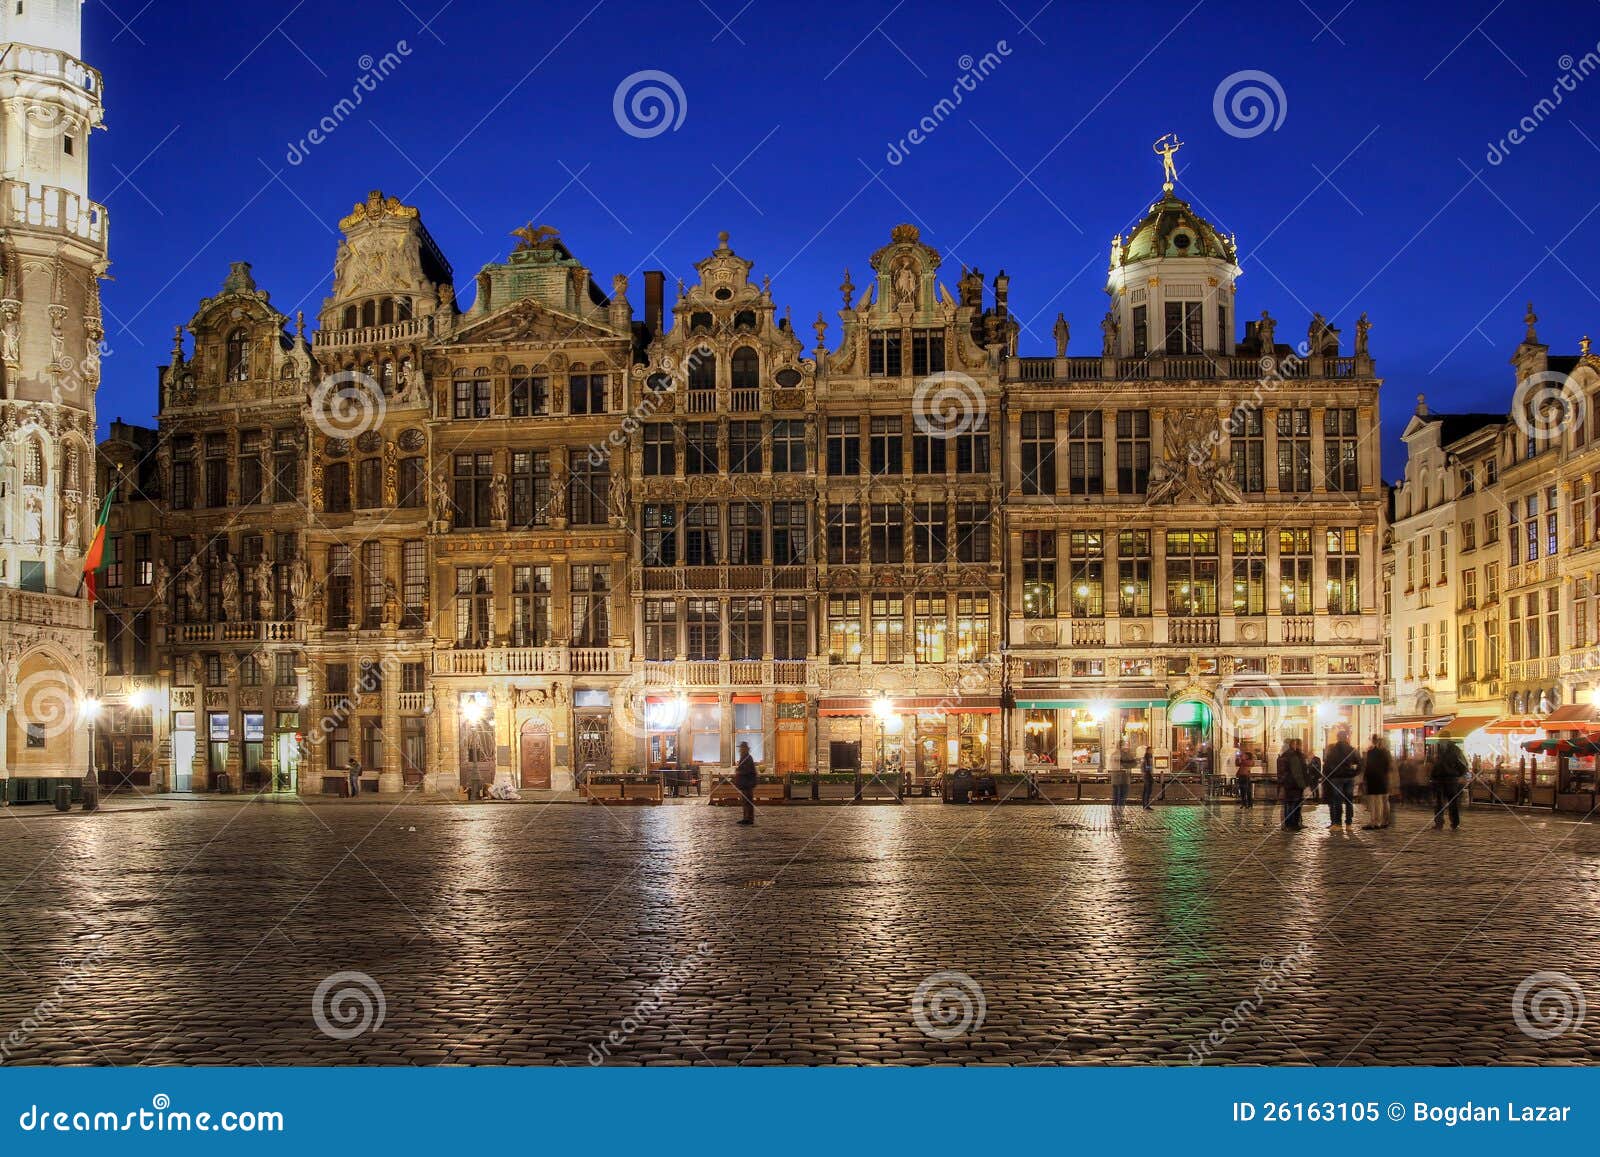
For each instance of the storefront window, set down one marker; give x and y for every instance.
(705, 732)
(1039, 738)
(1133, 734)
(974, 735)
(747, 728)
(1084, 737)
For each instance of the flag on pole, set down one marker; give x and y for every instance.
(97, 548)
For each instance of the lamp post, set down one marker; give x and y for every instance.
(89, 712)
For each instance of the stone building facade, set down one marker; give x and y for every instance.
(53, 253)
(546, 539)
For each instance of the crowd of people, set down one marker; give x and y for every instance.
(1332, 778)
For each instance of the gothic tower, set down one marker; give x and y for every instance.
(52, 255)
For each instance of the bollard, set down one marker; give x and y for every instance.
(91, 794)
(63, 798)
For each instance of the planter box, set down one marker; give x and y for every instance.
(1542, 796)
(1058, 790)
(1481, 791)
(598, 791)
(650, 792)
(1581, 802)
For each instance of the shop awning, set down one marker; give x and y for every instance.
(1572, 717)
(953, 705)
(1415, 722)
(1515, 725)
(1340, 695)
(1462, 726)
(1070, 704)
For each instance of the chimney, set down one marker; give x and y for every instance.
(655, 286)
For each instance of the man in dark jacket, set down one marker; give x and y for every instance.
(1341, 763)
(1448, 767)
(1375, 767)
(744, 782)
(1292, 779)
(1147, 769)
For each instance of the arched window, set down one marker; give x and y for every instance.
(404, 311)
(702, 370)
(386, 312)
(369, 313)
(746, 369)
(238, 355)
(33, 464)
(349, 317)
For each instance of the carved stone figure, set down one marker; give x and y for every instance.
(1363, 327)
(391, 603)
(499, 507)
(232, 606)
(1108, 331)
(261, 588)
(299, 579)
(10, 337)
(905, 284)
(1264, 333)
(620, 508)
(193, 590)
(558, 498)
(163, 574)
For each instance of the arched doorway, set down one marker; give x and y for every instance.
(42, 730)
(1190, 740)
(536, 754)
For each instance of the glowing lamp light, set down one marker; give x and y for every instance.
(1325, 711)
(882, 708)
(1099, 711)
(474, 707)
(140, 699)
(89, 709)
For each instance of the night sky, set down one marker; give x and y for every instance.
(1373, 191)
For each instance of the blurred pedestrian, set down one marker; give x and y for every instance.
(1292, 780)
(1244, 765)
(1147, 771)
(1120, 775)
(1449, 766)
(1375, 767)
(353, 770)
(1340, 766)
(744, 782)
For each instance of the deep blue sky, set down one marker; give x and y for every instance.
(1363, 198)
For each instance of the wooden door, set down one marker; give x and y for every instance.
(536, 754)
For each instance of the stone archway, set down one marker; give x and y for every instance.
(43, 717)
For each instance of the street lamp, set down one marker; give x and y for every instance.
(89, 712)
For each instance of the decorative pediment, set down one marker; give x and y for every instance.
(529, 320)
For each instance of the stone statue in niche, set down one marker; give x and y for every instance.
(232, 605)
(193, 590)
(1063, 335)
(499, 499)
(261, 588)
(905, 283)
(299, 580)
(1108, 341)
(10, 333)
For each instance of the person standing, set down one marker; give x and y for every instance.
(1244, 765)
(1445, 776)
(353, 770)
(1120, 776)
(1292, 781)
(1313, 773)
(1147, 771)
(744, 782)
(1340, 766)
(1375, 767)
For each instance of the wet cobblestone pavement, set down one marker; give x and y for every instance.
(923, 934)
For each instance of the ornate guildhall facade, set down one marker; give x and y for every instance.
(550, 537)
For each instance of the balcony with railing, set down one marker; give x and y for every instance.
(554, 660)
(740, 579)
(265, 631)
(700, 401)
(43, 610)
(1298, 629)
(59, 210)
(1181, 368)
(1191, 630)
(367, 335)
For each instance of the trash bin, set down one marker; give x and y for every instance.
(960, 787)
(63, 798)
(224, 783)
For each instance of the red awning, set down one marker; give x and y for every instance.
(1572, 717)
(954, 705)
(1515, 725)
(1414, 722)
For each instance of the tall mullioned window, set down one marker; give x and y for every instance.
(1294, 451)
(1038, 452)
(1133, 573)
(1133, 451)
(1339, 449)
(1250, 572)
(1086, 577)
(1294, 571)
(1038, 574)
(1085, 453)
(1248, 449)
(1191, 572)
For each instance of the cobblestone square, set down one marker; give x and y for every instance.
(920, 934)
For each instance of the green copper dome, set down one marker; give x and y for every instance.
(1173, 229)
